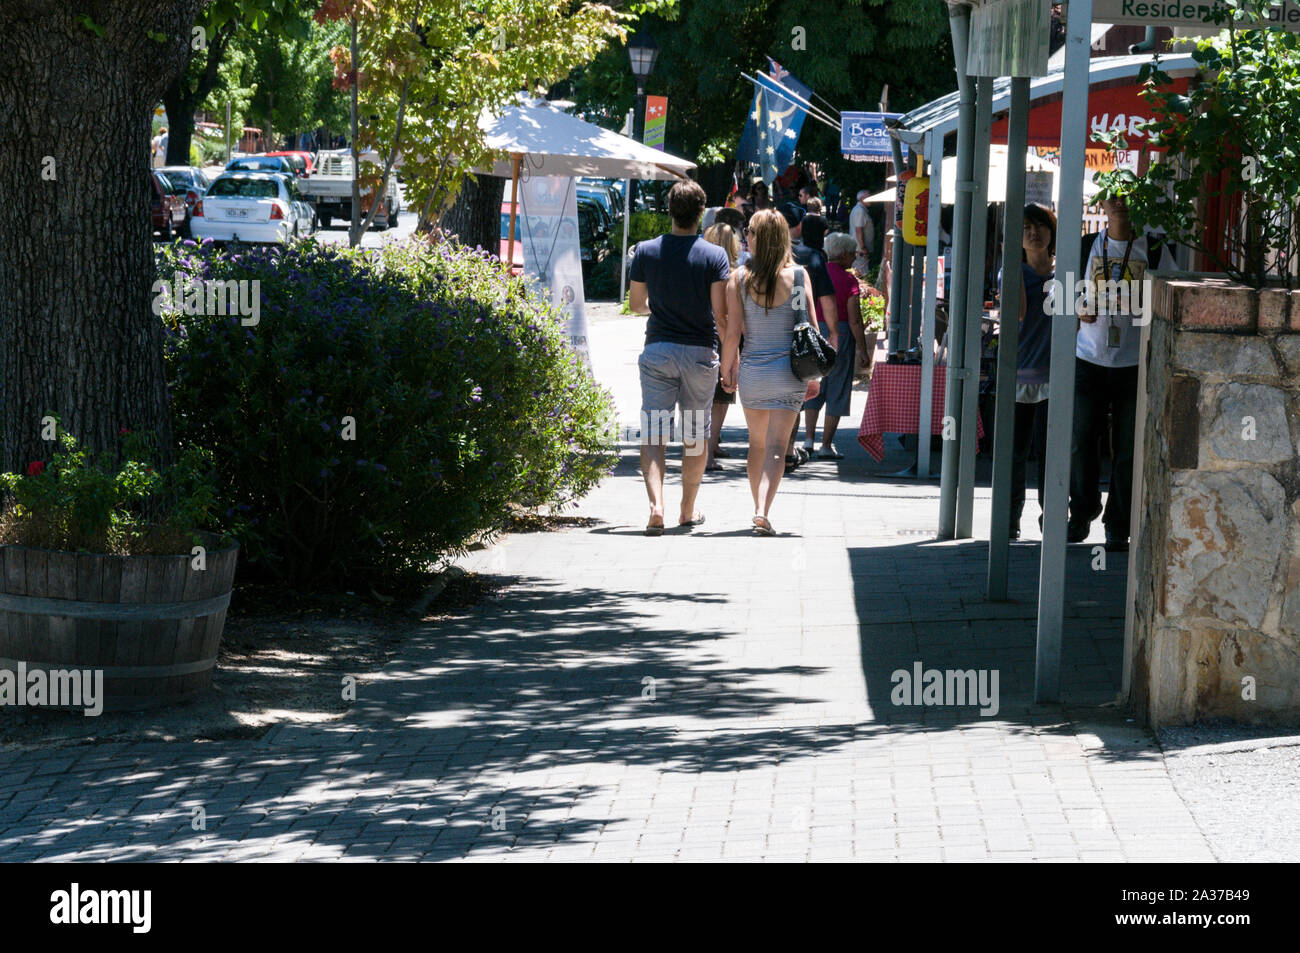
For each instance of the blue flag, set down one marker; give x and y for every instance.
(774, 122)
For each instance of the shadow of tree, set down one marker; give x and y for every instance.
(512, 724)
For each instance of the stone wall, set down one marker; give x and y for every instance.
(1216, 569)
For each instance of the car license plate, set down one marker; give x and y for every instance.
(238, 213)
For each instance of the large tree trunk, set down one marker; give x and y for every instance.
(180, 124)
(476, 216)
(78, 338)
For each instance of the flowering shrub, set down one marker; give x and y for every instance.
(872, 304)
(387, 407)
(84, 502)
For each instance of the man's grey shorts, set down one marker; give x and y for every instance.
(674, 375)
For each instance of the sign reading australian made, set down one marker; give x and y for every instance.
(1185, 13)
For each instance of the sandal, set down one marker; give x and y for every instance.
(763, 526)
(713, 467)
(698, 521)
(721, 453)
(654, 529)
(829, 453)
(792, 462)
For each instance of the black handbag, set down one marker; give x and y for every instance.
(811, 355)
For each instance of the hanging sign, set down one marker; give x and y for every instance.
(864, 137)
(1182, 13)
(548, 208)
(656, 120)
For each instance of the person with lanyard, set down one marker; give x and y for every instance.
(1106, 375)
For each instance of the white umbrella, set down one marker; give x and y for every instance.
(997, 190)
(557, 143)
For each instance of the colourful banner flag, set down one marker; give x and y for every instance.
(775, 120)
(656, 119)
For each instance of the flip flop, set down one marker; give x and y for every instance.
(714, 467)
(764, 528)
(654, 529)
(698, 521)
(721, 453)
(831, 454)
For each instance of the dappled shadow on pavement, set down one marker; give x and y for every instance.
(514, 726)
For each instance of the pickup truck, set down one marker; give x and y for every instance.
(329, 189)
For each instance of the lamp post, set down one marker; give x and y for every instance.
(642, 51)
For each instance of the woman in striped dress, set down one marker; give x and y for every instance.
(770, 292)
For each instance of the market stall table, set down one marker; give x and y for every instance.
(894, 405)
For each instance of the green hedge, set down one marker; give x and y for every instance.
(463, 397)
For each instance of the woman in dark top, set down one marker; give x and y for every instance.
(1033, 356)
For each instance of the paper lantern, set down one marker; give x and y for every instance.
(916, 210)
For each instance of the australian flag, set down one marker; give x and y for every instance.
(775, 121)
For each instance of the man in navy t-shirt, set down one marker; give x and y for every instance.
(680, 280)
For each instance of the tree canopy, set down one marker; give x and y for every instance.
(846, 52)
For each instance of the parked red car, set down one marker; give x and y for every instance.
(167, 210)
(301, 161)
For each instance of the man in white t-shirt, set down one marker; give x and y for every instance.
(1106, 373)
(861, 228)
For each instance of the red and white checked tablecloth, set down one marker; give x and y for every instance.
(894, 405)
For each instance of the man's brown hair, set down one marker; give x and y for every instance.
(686, 204)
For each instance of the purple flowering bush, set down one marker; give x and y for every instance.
(387, 407)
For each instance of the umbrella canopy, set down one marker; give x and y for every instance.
(997, 178)
(556, 143)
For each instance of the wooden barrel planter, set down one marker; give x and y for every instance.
(152, 624)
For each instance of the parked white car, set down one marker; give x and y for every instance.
(263, 207)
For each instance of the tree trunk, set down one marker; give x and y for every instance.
(78, 337)
(180, 124)
(476, 216)
(354, 228)
(181, 101)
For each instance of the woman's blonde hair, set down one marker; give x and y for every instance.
(769, 248)
(725, 237)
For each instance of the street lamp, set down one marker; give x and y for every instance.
(642, 51)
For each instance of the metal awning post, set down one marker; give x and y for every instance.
(925, 420)
(971, 352)
(1008, 340)
(959, 23)
(1060, 414)
(897, 305)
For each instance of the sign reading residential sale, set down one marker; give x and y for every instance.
(1186, 13)
(548, 207)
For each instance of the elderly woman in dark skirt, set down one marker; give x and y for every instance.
(837, 387)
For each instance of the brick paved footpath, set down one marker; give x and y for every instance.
(699, 696)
